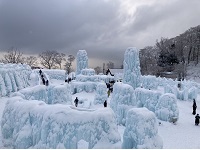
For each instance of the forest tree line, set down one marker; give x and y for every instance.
(172, 55)
(47, 59)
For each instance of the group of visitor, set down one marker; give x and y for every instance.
(197, 117)
(43, 80)
(76, 102)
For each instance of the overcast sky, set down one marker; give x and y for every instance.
(104, 28)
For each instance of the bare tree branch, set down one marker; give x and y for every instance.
(13, 56)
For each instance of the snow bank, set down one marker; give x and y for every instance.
(123, 98)
(132, 72)
(51, 95)
(81, 61)
(141, 130)
(166, 108)
(101, 93)
(35, 125)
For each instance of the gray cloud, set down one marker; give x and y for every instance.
(98, 26)
(164, 19)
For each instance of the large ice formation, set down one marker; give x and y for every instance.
(81, 61)
(132, 72)
(13, 77)
(77, 87)
(51, 95)
(166, 108)
(53, 73)
(123, 98)
(101, 93)
(94, 78)
(88, 72)
(149, 82)
(141, 130)
(147, 98)
(34, 124)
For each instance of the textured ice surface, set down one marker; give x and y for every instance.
(147, 98)
(34, 124)
(141, 130)
(51, 94)
(123, 98)
(13, 77)
(166, 108)
(101, 93)
(81, 61)
(132, 72)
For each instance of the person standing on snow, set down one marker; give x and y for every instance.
(40, 71)
(43, 81)
(197, 117)
(76, 101)
(105, 103)
(194, 107)
(47, 82)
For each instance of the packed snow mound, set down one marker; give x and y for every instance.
(81, 61)
(51, 95)
(131, 65)
(35, 125)
(101, 93)
(13, 77)
(141, 130)
(166, 108)
(123, 98)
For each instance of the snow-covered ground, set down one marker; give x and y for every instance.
(182, 135)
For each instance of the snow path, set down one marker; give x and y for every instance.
(183, 135)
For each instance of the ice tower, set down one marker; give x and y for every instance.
(132, 72)
(81, 61)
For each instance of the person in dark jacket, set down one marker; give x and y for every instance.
(69, 80)
(40, 71)
(105, 103)
(47, 82)
(194, 107)
(197, 117)
(43, 81)
(76, 101)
